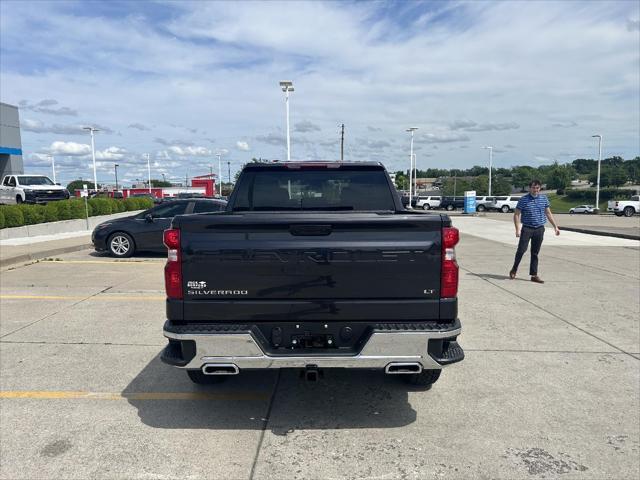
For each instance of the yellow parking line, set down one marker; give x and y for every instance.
(96, 297)
(61, 395)
(115, 262)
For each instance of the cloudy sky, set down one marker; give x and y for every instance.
(183, 81)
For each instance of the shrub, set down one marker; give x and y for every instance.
(1, 219)
(13, 216)
(64, 209)
(77, 208)
(50, 212)
(32, 214)
(101, 206)
(605, 194)
(138, 203)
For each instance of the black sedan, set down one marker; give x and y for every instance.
(143, 232)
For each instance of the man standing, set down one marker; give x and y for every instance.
(534, 210)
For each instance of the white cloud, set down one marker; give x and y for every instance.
(244, 146)
(190, 151)
(69, 148)
(111, 153)
(444, 137)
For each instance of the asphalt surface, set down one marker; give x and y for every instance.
(549, 387)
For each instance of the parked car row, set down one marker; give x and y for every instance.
(483, 203)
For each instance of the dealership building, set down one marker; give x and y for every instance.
(10, 143)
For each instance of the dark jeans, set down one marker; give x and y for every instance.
(535, 235)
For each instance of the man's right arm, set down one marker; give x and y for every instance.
(516, 221)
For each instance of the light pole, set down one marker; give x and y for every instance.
(148, 170)
(490, 165)
(219, 155)
(92, 130)
(599, 137)
(229, 173)
(53, 167)
(115, 166)
(287, 86)
(411, 166)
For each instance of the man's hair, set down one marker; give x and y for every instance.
(535, 182)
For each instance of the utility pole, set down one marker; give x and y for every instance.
(342, 144)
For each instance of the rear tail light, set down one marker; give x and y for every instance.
(173, 268)
(449, 272)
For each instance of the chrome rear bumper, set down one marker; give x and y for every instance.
(381, 349)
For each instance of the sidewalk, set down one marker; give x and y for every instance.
(36, 248)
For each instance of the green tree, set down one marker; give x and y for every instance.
(559, 176)
(584, 166)
(78, 184)
(521, 176)
(481, 184)
(500, 185)
(159, 183)
(610, 176)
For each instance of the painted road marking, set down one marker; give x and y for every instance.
(95, 297)
(62, 395)
(113, 262)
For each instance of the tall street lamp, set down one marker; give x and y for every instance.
(148, 170)
(219, 180)
(490, 165)
(411, 167)
(599, 137)
(229, 173)
(53, 167)
(93, 130)
(115, 166)
(287, 86)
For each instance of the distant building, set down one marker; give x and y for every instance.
(10, 143)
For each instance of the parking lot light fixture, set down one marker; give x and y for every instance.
(115, 166)
(148, 170)
(490, 165)
(599, 137)
(93, 130)
(287, 86)
(53, 167)
(412, 179)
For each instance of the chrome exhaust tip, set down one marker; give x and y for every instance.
(220, 369)
(403, 368)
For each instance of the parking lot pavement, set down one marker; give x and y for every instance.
(549, 386)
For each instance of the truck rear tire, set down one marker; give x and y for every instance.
(424, 379)
(200, 378)
(629, 211)
(505, 209)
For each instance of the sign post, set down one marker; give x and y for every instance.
(85, 193)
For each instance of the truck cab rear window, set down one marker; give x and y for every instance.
(282, 190)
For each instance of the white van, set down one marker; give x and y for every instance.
(427, 203)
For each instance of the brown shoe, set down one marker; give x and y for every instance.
(512, 274)
(537, 279)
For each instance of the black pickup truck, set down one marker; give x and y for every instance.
(312, 266)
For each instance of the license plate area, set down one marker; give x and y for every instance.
(310, 340)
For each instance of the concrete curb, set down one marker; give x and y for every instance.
(602, 234)
(30, 257)
(62, 226)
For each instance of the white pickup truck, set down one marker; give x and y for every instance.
(624, 207)
(30, 189)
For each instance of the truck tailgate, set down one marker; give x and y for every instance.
(311, 266)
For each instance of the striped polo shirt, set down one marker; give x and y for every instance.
(532, 209)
